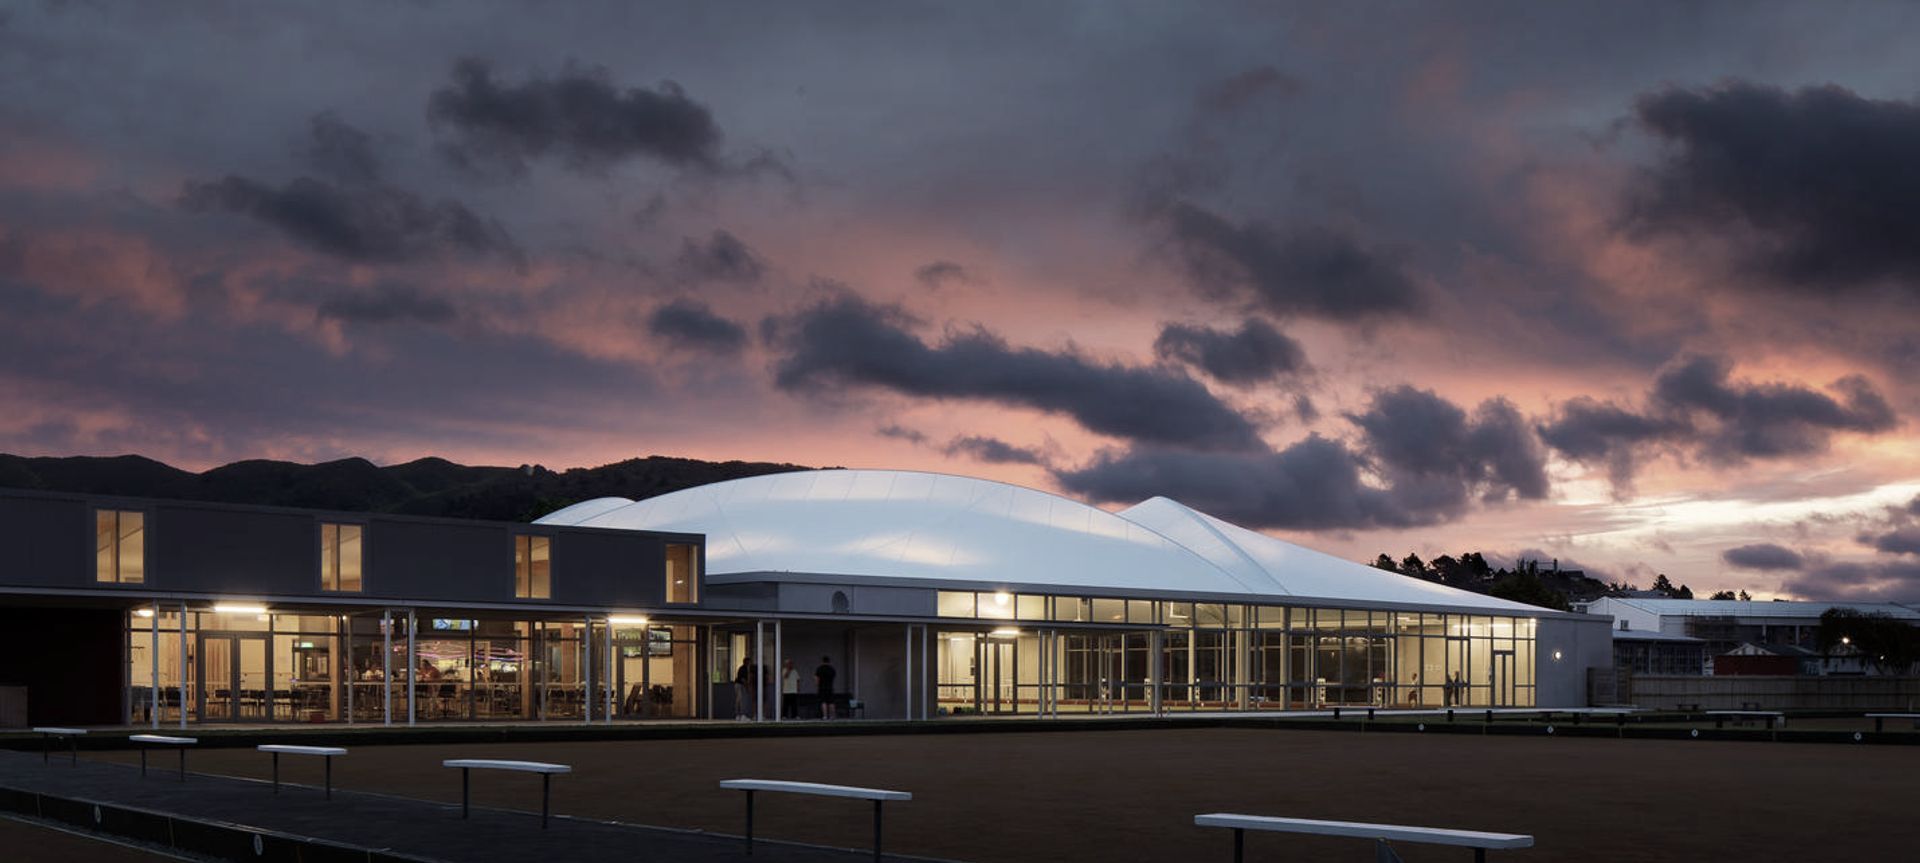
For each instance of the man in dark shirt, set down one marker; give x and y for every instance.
(823, 679)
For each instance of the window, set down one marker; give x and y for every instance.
(120, 546)
(340, 557)
(683, 576)
(532, 567)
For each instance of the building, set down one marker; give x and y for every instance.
(930, 594)
(1026, 602)
(1645, 651)
(1724, 626)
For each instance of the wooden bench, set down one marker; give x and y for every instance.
(148, 741)
(1879, 719)
(546, 771)
(877, 795)
(326, 752)
(1720, 717)
(71, 735)
(1381, 833)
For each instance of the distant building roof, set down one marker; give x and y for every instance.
(1650, 635)
(1755, 608)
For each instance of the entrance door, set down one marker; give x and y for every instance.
(997, 684)
(233, 671)
(1503, 678)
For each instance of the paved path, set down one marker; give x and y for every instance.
(412, 827)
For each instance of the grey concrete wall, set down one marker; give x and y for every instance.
(856, 599)
(1773, 693)
(1581, 644)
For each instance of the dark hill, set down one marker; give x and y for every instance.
(427, 486)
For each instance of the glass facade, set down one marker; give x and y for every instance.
(119, 546)
(1212, 656)
(340, 557)
(377, 667)
(683, 576)
(533, 567)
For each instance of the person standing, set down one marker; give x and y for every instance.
(743, 689)
(789, 690)
(823, 679)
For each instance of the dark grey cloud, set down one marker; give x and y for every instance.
(721, 257)
(1313, 484)
(993, 450)
(1768, 420)
(1309, 270)
(1697, 406)
(1763, 555)
(900, 432)
(1435, 456)
(338, 150)
(580, 116)
(693, 324)
(847, 342)
(387, 304)
(1883, 581)
(940, 273)
(366, 223)
(1913, 506)
(1820, 180)
(1900, 540)
(1590, 431)
(1255, 353)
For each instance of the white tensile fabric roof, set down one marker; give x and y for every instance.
(908, 525)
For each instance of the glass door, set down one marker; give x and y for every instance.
(234, 671)
(1503, 678)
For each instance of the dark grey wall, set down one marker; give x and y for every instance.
(268, 552)
(47, 542)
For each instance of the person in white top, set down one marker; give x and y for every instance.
(789, 690)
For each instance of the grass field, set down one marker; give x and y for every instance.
(1131, 795)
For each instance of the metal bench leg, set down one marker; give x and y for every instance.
(1878, 724)
(143, 762)
(329, 777)
(46, 746)
(1479, 855)
(749, 823)
(1239, 844)
(183, 764)
(546, 789)
(465, 787)
(276, 773)
(876, 831)
(73, 751)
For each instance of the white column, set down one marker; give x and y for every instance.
(757, 660)
(413, 660)
(386, 666)
(586, 677)
(183, 665)
(779, 670)
(1154, 682)
(153, 692)
(906, 691)
(613, 678)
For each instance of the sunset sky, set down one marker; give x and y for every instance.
(1634, 286)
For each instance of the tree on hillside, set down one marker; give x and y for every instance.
(1526, 586)
(1414, 566)
(1386, 563)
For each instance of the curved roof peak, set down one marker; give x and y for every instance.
(919, 525)
(1297, 570)
(965, 531)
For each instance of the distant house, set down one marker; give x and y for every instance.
(1724, 625)
(1790, 659)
